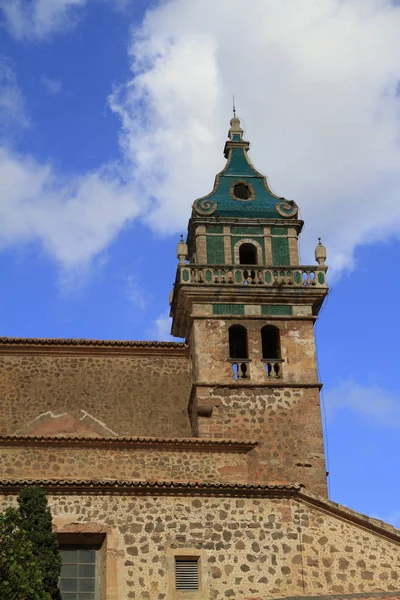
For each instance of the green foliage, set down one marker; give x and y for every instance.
(20, 574)
(36, 520)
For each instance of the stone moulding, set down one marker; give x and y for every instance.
(187, 444)
(87, 346)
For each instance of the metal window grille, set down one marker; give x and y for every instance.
(187, 573)
(79, 578)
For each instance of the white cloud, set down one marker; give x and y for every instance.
(135, 293)
(35, 19)
(38, 19)
(12, 105)
(74, 218)
(161, 328)
(370, 401)
(315, 81)
(52, 85)
(317, 84)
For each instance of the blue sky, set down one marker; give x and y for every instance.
(113, 117)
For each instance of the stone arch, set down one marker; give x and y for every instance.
(257, 245)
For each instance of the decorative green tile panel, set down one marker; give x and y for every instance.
(214, 228)
(247, 231)
(236, 238)
(228, 309)
(185, 275)
(297, 277)
(280, 251)
(276, 310)
(321, 278)
(215, 250)
(278, 231)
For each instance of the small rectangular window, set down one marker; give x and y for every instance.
(78, 579)
(187, 573)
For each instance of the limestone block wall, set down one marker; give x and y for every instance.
(286, 421)
(131, 391)
(250, 548)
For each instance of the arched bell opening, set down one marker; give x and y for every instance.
(248, 254)
(238, 351)
(271, 351)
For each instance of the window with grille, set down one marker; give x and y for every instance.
(187, 573)
(78, 573)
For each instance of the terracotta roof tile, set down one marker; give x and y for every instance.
(216, 444)
(85, 342)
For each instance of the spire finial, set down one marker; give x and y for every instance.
(181, 251)
(235, 128)
(320, 253)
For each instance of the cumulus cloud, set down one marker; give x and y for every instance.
(371, 401)
(35, 19)
(317, 85)
(12, 105)
(38, 19)
(74, 218)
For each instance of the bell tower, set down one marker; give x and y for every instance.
(247, 310)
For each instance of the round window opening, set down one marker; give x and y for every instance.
(242, 191)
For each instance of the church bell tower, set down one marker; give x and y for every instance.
(247, 311)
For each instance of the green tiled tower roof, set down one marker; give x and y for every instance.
(239, 189)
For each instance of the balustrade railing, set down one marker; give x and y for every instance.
(253, 275)
(273, 367)
(240, 368)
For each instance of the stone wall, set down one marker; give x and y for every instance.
(210, 350)
(283, 413)
(130, 391)
(250, 548)
(25, 459)
(285, 420)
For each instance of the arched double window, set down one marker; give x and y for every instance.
(238, 349)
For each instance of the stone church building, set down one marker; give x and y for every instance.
(196, 470)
